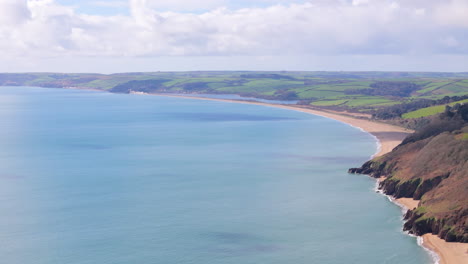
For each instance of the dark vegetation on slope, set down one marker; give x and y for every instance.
(388, 88)
(431, 165)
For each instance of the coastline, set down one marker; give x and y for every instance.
(387, 137)
(442, 252)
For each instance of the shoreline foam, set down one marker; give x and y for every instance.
(387, 137)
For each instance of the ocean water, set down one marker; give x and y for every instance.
(91, 177)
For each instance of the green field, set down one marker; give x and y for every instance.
(358, 91)
(329, 102)
(429, 111)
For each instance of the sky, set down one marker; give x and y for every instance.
(110, 36)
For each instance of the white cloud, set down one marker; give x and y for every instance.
(13, 12)
(43, 28)
(454, 12)
(360, 2)
(186, 5)
(116, 3)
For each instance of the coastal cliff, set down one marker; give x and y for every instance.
(431, 166)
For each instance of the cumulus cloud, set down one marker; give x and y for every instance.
(13, 12)
(186, 5)
(454, 13)
(43, 28)
(112, 4)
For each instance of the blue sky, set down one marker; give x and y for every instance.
(160, 35)
(114, 7)
(94, 7)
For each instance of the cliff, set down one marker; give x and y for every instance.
(430, 165)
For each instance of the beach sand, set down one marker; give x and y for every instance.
(389, 137)
(408, 203)
(449, 252)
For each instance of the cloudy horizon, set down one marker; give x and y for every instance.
(181, 35)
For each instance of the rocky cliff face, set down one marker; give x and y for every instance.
(431, 166)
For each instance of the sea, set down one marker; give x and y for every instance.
(93, 177)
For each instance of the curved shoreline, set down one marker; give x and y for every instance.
(387, 137)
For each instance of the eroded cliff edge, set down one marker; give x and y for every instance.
(430, 165)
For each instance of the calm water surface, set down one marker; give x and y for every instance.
(238, 97)
(89, 177)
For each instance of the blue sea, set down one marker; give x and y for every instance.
(93, 177)
(238, 97)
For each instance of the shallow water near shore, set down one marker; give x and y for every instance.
(92, 177)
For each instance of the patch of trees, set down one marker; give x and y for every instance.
(396, 111)
(387, 88)
(146, 86)
(458, 111)
(286, 95)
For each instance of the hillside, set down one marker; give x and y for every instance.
(431, 166)
(345, 91)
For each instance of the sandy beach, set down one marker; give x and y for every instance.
(389, 137)
(449, 253)
(408, 203)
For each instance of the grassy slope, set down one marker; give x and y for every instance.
(442, 207)
(429, 111)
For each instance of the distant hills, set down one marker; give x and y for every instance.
(366, 92)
